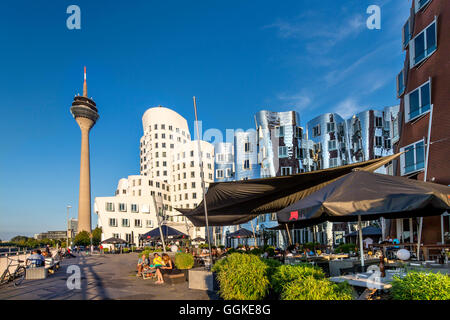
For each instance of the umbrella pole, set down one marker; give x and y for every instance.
(289, 235)
(419, 236)
(202, 174)
(159, 223)
(254, 235)
(361, 248)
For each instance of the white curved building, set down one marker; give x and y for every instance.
(169, 169)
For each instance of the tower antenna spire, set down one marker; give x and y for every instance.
(85, 84)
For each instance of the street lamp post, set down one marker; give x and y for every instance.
(68, 227)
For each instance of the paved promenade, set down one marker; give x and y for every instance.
(102, 277)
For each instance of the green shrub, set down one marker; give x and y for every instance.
(242, 277)
(273, 267)
(345, 248)
(421, 286)
(311, 288)
(286, 274)
(184, 260)
(270, 250)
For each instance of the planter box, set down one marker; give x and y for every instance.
(201, 279)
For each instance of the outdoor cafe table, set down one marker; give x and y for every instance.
(364, 280)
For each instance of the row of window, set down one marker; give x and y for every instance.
(221, 173)
(126, 223)
(109, 206)
(280, 132)
(163, 127)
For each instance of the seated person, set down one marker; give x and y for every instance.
(37, 259)
(167, 268)
(142, 263)
(157, 261)
(309, 252)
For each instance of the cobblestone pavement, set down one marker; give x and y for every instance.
(102, 277)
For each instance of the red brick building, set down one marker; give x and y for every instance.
(423, 87)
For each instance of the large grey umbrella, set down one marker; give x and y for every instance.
(114, 241)
(362, 195)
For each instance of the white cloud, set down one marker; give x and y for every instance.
(348, 107)
(300, 101)
(322, 36)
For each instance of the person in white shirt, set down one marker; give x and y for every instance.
(367, 241)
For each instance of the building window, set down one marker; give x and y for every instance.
(113, 222)
(134, 208)
(333, 162)
(332, 145)
(110, 206)
(138, 223)
(378, 142)
(407, 32)
(116, 235)
(330, 127)
(192, 174)
(419, 4)
(423, 45)
(246, 164)
(122, 207)
(316, 131)
(298, 132)
(128, 238)
(378, 122)
(401, 83)
(279, 131)
(125, 223)
(228, 172)
(193, 185)
(247, 147)
(149, 223)
(286, 171)
(413, 159)
(219, 174)
(282, 152)
(387, 144)
(418, 102)
(194, 196)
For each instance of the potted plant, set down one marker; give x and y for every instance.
(184, 262)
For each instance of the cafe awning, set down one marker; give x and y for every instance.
(237, 202)
(370, 196)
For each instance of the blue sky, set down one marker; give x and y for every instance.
(236, 57)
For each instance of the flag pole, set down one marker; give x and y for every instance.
(202, 175)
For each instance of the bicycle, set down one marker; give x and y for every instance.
(17, 276)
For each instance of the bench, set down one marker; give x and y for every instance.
(37, 273)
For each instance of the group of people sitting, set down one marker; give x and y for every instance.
(161, 265)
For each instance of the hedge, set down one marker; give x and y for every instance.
(421, 286)
(242, 277)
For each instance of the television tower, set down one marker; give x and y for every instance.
(85, 112)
